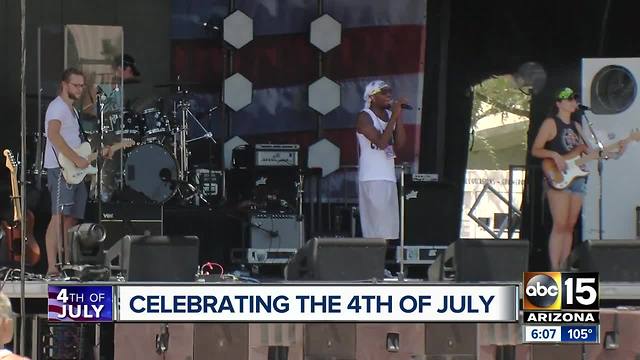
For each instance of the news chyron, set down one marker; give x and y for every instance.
(561, 298)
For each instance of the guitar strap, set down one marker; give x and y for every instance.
(81, 133)
(581, 133)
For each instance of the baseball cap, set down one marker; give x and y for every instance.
(566, 94)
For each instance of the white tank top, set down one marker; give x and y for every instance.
(373, 162)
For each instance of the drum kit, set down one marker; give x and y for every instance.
(157, 167)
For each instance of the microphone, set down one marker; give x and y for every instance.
(583, 107)
(405, 106)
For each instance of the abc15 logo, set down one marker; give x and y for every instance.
(561, 291)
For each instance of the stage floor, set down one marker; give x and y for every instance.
(618, 291)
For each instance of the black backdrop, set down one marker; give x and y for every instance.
(485, 38)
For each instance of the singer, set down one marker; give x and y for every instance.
(558, 136)
(379, 132)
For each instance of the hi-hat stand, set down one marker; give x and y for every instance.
(182, 112)
(183, 107)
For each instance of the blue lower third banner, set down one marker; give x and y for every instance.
(80, 303)
(319, 302)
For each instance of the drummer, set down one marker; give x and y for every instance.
(124, 71)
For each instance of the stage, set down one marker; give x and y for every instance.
(625, 292)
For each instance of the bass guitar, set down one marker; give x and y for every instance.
(73, 174)
(12, 229)
(575, 162)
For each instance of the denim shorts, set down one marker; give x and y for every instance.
(578, 186)
(69, 199)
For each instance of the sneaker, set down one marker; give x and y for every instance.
(54, 276)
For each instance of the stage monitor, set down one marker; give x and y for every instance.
(615, 260)
(155, 258)
(338, 259)
(482, 260)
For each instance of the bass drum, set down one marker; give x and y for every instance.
(151, 170)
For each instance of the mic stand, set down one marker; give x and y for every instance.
(402, 255)
(23, 200)
(600, 173)
(100, 109)
(300, 215)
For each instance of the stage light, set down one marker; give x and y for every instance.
(237, 29)
(325, 33)
(86, 244)
(324, 95)
(238, 91)
(325, 155)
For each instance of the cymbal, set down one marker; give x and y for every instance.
(132, 81)
(44, 97)
(176, 84)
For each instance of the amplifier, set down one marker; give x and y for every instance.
(277, 155)
(275, 189)
(423, 222)
(120, 219)
(275, 231)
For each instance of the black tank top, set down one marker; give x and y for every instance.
(567, 137)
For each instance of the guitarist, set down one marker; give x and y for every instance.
(63, 133)
(558, 136)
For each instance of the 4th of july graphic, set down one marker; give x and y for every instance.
(80, 303)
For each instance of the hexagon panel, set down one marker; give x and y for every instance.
(324, 95)
(324, 154)
(325, 33)
(237, 29)
(237, 91)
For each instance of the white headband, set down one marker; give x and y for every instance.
(373, 88)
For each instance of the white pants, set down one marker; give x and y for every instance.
(379, 214)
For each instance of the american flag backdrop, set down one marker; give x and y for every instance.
(381, 39)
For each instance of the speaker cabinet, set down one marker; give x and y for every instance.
(615, 260)
(482, 260)
(555, 351)
(619, 335)
(201, 341)
(446, 339)
(338, 259)
(226, 341)
(424, 223)
(155, 258)
(157, 341)
(364, 341)
(120, 219)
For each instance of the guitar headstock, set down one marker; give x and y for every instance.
(634, 134)
(11, 162)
